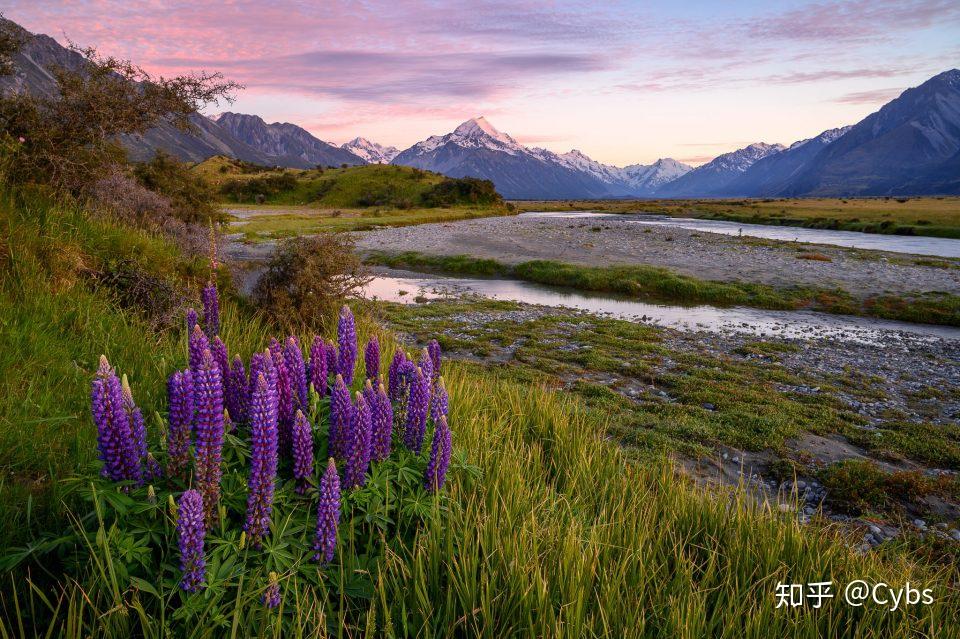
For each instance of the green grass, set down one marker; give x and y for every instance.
(558, 534)
(928, 216)
(661, 284)
(267, 224)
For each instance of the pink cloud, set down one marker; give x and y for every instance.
(875, 96)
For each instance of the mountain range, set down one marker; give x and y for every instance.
(910, 146)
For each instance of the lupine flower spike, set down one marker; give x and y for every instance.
(208, 397)
(211, 310)
(302, 452)
(328, 515)
(115, 439)
(263, 460)
(436, 473)
(426, 364)
(439, 402)
(417, 409)
(358, 446)
(137, 425)
(284, 396)
(190, 534)
(293, 358)
(180, 418)
(434, 349)
(341, 414)
(191, 321)
(346, 344)
(371, 358)
(236, 398)
(271, 597)
(198, 343)
(318, 366)
(382, 425)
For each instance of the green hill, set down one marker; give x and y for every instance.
(371, 185)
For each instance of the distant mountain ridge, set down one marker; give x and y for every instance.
(290, 144)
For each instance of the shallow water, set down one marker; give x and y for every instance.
(406, 287)
(915, 245)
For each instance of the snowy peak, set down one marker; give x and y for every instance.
(371, 152)
(742, 159)
(646, 178)
(479, 128)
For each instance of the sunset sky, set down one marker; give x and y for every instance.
(624, 82)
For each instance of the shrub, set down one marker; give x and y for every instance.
(307, 279)
(191, 199)
(855, 484)
(466, 190)
(268, 186)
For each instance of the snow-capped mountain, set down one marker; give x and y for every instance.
(477, 149)
(530, 172)
(645, 179)
(771, 174)
(910, 146)
(712, 178)
(371, 152)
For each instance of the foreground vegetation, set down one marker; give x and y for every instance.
(930, 216)
(661, 284)
(555, 532)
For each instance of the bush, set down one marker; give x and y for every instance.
(308, 278)
(120, 197)
(248, 191)
(192, 199)
(466, 190)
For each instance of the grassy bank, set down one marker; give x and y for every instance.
(661, 284)
(929, 216)
(261, 223)
(549, 530)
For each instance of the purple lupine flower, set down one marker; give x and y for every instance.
(258, 366)
(346, 344)
(439, 401)
(293, 358)
(180, 418)
(318, 365)
(191, 321)
(395, 376)
(328, 515)
(371, 357)
(222, 358)
(138, 427)
(302, 452)
(271, 596)
(436, 473)
(358, 446)
(434, 349)
(190, 534)
(208, 399)
(115, 439)
(417, 408)
(211, 310)
(331, 358)
(284, 396)
(236, 397)
(382, 425)
(198, 343)
(341, 415)
(426, 364)
(263, 460)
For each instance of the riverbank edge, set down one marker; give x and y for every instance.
(659, 284)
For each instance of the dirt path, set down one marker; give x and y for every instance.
(704, 255)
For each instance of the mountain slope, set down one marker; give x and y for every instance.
(289, 144)
(32, 75)
(371, 152)
(645, 179)
(712, 178)
(773, 173)
(909, 146)
(477, 149)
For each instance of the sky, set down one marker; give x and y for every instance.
(624, 82)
